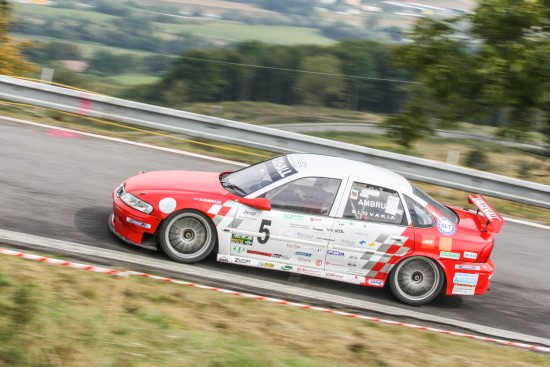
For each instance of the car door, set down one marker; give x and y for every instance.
(295, 232)
(370, 230)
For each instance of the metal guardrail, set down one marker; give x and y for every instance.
(423, 170)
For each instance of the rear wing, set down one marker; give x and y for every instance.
(491, 215)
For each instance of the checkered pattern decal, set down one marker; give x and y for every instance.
(379, 263)
(218, 212)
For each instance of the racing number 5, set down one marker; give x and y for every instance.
(263, 229)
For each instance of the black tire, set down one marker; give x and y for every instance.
(187, 236)
(416, 280)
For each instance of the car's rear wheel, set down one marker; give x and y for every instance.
(416, 280)
(187, 236)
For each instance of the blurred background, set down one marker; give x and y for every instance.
(464, 82)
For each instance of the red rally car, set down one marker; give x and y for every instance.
(315, 215)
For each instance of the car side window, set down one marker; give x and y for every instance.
(420, 216)
(313, 195)
(374, 204)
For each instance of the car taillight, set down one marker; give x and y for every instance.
(486, 252)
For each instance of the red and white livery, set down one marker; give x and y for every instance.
(315, 215)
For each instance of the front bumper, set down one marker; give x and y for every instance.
(468, 278)
(132, 226)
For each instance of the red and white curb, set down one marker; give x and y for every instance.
(109, 271)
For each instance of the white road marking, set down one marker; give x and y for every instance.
(127, 142)
(521, 221)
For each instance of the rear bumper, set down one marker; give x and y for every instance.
(468, 278)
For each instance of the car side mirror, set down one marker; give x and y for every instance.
(256, 203)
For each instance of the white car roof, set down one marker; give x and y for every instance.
(321, 165)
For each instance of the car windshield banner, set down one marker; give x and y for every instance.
(280, 168)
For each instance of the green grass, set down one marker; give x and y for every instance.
(284, 35)
(55, 316)
(87, 48)
(133, 79)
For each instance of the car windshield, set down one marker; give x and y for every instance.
(250, 179)
(447, 212)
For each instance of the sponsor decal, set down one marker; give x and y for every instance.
(303, 260)
(304, 236)
(249, 212)
(470, 255)
(364, 243)
(446, 227)
(283, 167)
(467, 267)
(335, 253)
(354, 194)
(286, 267)
(352, 264)
(211, 201)
(297, 161)
(299, 225)
(445, 244)
(315, 219)
(309, 271)
(428, 242)
(138, 223)
(266, 265)
(353, 257)
(279, 256)
(223, 259)
(375, 282)
(465, 278)
(449, 255)
(485, 208)
(333, 230)
(318, 229)
(336, 265)
(242, 239)
(347, 243)
(306, 254)
(238, 260)
(238, 249)
(333, 275)
(463, 290)
(319, 262)
(291, 216)
(259, 253)
(167, 205)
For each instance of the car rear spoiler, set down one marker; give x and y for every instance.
(494, 219)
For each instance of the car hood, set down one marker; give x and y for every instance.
(174, 181)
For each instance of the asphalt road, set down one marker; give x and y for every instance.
(58, 185)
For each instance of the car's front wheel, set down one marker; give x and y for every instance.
(416, 280)
(187, 236)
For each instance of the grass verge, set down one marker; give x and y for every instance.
(56, 316)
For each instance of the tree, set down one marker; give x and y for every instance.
(493, 60)
(316, 89)
(11, 60)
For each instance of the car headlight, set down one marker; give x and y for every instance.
(136, 203)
